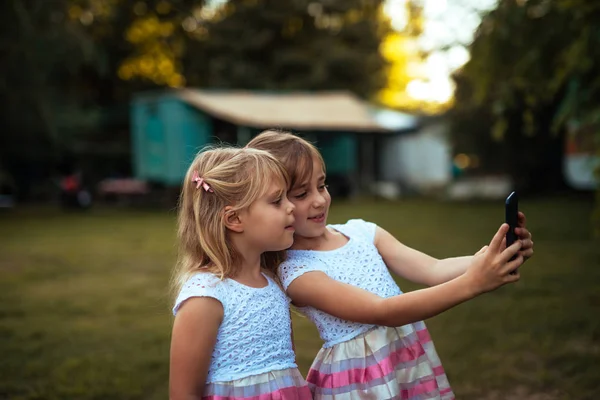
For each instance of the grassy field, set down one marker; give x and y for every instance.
(84, 311)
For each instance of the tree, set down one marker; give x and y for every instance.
(42, 50)
(59, 76)
(157, 36)
(69, 65)
(289, 45)
(532, 73)
(405, 63)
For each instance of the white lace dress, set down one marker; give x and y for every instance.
(360, 361)
(253, 357)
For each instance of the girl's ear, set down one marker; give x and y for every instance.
(232, 220)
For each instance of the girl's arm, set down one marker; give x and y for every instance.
(426, 270)
(415, 266)
(488, 271)
(192, 342)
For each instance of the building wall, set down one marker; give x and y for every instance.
(420, 160)
(167, 134)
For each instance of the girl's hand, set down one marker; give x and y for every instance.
(491, 267)
(525, 238)
(483, 250)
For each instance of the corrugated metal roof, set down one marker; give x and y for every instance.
(331, 111)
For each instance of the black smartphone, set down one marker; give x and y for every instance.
(511, 209)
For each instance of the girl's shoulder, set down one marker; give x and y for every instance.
(204, 280)
(357, 229)
(201, 284)
(297, 264)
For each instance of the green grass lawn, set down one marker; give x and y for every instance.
(84, 309)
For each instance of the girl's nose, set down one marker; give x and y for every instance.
(290, 207)
(319, 200)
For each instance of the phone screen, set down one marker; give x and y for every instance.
(511, 218)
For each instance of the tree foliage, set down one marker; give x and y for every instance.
(289, 45)
(533, 74)
(70, 66)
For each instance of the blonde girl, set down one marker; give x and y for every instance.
(232, 332)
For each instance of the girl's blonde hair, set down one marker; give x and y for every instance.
(295, 153)
(230, 177)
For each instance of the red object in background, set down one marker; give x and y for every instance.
(70, 184)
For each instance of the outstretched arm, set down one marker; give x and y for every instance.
(421, 268)
(488, 271)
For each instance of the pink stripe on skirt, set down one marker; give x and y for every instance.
(387, 363)
(285, 384)
(363, 375)
(291, 393)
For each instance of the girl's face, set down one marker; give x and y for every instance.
(269, 221)
(312, 201)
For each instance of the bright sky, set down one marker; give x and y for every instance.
(448, 24)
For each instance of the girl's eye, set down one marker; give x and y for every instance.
(278, 201)
(323, 187)
(300, 196)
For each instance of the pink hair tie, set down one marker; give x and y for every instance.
(200, 182)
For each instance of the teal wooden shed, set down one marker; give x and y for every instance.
(170, 127)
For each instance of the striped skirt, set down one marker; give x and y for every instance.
(286, 384)
(383, 363)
